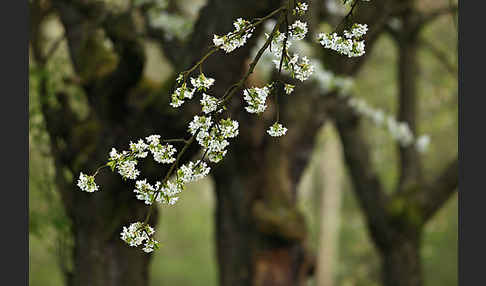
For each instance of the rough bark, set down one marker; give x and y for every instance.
(261, 234)
(99, 256)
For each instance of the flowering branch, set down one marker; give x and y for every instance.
(208, 128)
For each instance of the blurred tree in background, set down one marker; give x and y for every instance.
(101, 74)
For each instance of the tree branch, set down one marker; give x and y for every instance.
(440, 190)
(364, 177)
(440, 55)
(375, 16)
(427, 17)
(408, 71)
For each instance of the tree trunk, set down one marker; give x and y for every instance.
(107, 262)
(261, 234)
(259, 230)
(100, 257)
(402, 264)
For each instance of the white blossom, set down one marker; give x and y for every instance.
(136, 233)
(172, 188)
(298, 30)
(87, 183)
(235, 39)
(255, 98)
(138, 149)
(300, 9)
(153, 141)
(216, 156)
(301, 69)
(278, 43)
(212, 141)
(180, 94)
(422, 143)
(296, 66)
(164, 154)
(357, 31)
(202, 82)
(200, 122)
(114, 155)
(228, 128)
(209, 103)
(146, 192)
(346, 46)
(172, 201)
(150, 245)
(289, 88)
(193, 171)
(277, 130)
(127, 169)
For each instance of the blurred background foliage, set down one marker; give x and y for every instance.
(187, 255)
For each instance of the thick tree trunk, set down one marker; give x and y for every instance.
(107, 262)
(261, 234)
(259, 237)
(402, 264)
(100, 257)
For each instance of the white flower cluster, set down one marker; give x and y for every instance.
(289, 88)
(300, 9)
(228, 128)
(136, 233)
(183, 92)
(146, 192)
(127, 169)
(87, 183)
(200, 122)
(193, 172)
(162, 153)
(298, 67)
(180, 94)
(350, 45)
(169, 191)
(399, 131)
(256, 97)
(209, 103)
(328, 81)
(213, 138)
(125, 162)
(187, 173)
(139, 149)
(277, 130)
(422, 143)
(357, 31)
(298, 30)
(301, 68)
(233, 40)
(202, 82)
